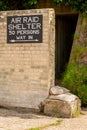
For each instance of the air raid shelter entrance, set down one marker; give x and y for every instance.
(32, 57)
(65, 25)
(65, 28)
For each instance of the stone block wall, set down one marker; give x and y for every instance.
(27, 69)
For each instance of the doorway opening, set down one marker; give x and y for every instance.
(65, 29)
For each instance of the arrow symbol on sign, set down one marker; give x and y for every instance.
(12, 40)
(24, 40)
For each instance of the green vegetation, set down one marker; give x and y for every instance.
(80, 5)
(76, 113)
(55, 113)
(76, 36)
(78, 51)
(17, 5)
(46, 126)
(75, 76)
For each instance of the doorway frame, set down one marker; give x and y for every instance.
(76, 14)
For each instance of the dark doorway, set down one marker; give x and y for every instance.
(65, 29)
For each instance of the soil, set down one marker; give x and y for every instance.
(11, 119)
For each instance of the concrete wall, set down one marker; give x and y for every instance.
(27, 69)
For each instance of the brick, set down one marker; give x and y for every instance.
(26, 80)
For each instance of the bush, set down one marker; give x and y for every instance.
(75, 79)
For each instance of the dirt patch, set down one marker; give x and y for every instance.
(19, 120)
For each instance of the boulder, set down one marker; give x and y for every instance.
(57, 90)
(65, 105)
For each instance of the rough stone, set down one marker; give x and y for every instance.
(65, 105)
(67, 97)
(57, 90)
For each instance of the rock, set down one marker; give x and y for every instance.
(57, 90)
(65, 105)
(41, 107)
(68, 97)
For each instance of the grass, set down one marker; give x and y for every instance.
(55, 113)
(46, 126)
(76, 113)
